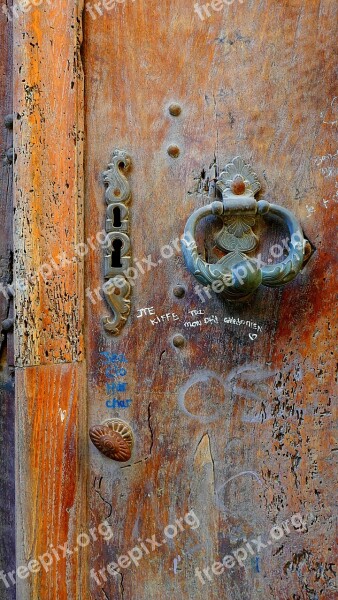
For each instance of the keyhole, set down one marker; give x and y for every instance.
(116, 254)
(117, 217)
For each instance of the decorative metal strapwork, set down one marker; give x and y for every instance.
(117, 259)
(237, 275)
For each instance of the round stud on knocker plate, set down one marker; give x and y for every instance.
(113, 438)
(236, 275)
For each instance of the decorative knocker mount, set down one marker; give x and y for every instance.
(117, 258)
(237, 275)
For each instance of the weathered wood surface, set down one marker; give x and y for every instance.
(51, 398)
(255, 446)
(51, 481)
(48, 98)
(7, 475)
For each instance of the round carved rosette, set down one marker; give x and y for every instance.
(114, 439)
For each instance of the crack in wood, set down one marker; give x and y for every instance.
(150, 429)
(98, 492)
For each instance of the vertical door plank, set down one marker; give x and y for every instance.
(51, 398)
(51, 468)
(48, 100)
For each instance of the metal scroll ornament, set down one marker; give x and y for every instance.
(237, 275)
(117, 257)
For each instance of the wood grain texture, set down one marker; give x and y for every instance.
(48, 99)
(255, 443)
(7, 443)
(51, 431)
(51, 480)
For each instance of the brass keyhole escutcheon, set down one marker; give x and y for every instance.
(113, 438)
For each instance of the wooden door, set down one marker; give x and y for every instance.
(230, 404)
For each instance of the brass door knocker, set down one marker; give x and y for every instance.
(236, 276)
